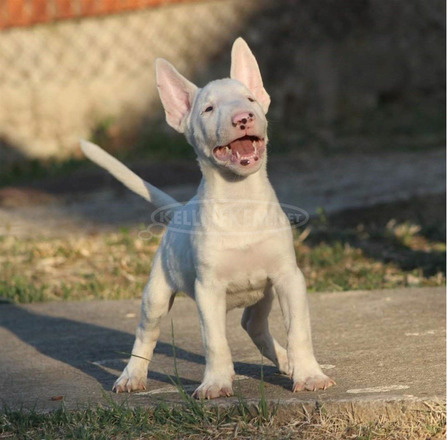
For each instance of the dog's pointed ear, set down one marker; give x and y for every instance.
(176, 94)
(245, 69)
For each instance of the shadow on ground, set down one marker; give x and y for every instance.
(369, 229)
(81, 345)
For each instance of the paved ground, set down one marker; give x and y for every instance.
(380, 346)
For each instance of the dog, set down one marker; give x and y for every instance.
(219, 262)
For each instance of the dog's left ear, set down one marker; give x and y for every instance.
(176, 94)
(245, 69)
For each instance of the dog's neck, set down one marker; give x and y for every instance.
(220, 184)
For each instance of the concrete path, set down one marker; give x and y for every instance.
(380, 346)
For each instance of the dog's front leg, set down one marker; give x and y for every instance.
(303, 367)
(158, 297)
(219, 371)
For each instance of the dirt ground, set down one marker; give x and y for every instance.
(343, 186)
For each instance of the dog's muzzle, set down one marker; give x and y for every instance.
(245, 151)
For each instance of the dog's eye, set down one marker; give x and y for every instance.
(251, 99)
(209, 109)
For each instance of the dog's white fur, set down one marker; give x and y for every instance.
(218, 263)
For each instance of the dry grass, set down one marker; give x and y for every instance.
(116, 265)
(195, 420)
(107, 266)
(421, 421)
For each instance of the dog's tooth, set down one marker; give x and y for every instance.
(238, 155)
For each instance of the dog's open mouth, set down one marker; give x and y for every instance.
(245, 150)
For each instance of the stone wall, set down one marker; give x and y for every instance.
(61, 81)
(322, 62)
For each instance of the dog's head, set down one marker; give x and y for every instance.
(225, 120)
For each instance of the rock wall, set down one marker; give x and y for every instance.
(322, 62)
(61, 81)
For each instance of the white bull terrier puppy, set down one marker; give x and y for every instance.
(220, 259)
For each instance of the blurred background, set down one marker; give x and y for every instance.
(357, 132)
(358, 74)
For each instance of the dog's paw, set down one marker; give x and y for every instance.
(313, 383)
(213, 391)
(128, 383)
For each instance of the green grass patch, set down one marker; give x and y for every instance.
(19, 289)
(151, 144)
(162, 144)
(28, 171)
(191, 419)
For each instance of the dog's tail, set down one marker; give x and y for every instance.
(128, 177)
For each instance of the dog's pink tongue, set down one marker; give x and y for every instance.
(242, 146)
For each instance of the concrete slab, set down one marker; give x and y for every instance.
(380, 346)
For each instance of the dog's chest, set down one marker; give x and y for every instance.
(244, 268)
(245, 275)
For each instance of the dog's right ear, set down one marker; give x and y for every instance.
(245, 69)
(176, 94)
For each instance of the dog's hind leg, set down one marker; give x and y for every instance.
(290, 287)
(158, 297)
(255, 323)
